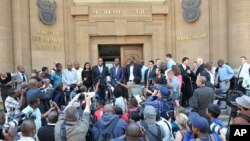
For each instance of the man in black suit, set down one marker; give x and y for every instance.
(132, 70)
(99, 74)
(116, 73)
(201, 68)
(149, 73)
(186, 87)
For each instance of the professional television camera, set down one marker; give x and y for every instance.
(218, 129)
(16, 122)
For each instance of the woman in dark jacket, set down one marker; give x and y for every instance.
(87, 75)
(58, 96)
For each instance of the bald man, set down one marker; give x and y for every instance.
(109, 124)
(47, 132)
(28, 130)
(69, 76)
(78, 70)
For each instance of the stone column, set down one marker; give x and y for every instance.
(6, 51)
(239, 30)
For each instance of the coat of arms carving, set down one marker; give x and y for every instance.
(47, 11)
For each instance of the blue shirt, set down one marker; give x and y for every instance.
(170, 63)
(225, 72)
(69, 77)
(143, 69)
(56, 79)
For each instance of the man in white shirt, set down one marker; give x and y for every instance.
(69, 76)
(242, 72)
(78, 70)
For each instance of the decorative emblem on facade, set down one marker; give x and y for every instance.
(47, 11)
(191, 9)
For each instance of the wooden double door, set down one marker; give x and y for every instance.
(130, 50)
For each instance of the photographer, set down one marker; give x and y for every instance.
(199, 127)
(28, 131)
(160, 100)
(13, 103)
(71, 125)
(243, 104)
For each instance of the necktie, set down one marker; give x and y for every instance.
(24, 79)
(149, 71)
(240, 71)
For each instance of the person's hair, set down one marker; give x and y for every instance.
(161, 69)
(27, 127)
(214, 110)
(37, 78)
(133, 102)
(59, 87)
(220, 61)
(11, 91)
(117, 92)
(71, 114)
(169, 55)
(202, 79)
(137, 80)
(58, 65)
(72, 87)
(176, 69)
(151, 61)
(101, 102)
(171, 72)
(135, 116)
(184, 59)
(181, 119)
(244, 57)
(2, 117)
(33, 101)
(118, 111)
(44, 69)
(209, 65)
(53, 117)
(87, 63)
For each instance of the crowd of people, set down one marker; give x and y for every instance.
(136, 102)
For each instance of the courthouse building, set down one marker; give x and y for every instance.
(37, 33)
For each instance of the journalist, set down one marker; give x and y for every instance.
(71, 125)
(243, 104)
(198, 127)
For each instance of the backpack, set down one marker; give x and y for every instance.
(150, 135)
(107, 136)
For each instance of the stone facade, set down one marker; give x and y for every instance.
(221, 31)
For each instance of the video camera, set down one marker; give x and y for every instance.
(16, 122)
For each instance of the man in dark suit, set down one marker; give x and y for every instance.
(200, 68)
(149, 73)
(116, 72)
(186, 87)
(132, 70)
(202, 97)
(99, 74)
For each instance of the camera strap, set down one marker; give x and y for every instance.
(246, 117)
(63, 132)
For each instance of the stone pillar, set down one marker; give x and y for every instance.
(239, 30)
(6, 52)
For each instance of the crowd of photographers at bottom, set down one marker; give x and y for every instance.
(143, 124)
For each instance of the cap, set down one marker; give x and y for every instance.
(149, 111)
(199, 122)
(164, 90)
(243, 101)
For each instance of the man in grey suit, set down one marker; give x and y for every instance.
(202, 97)
(20, 76)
